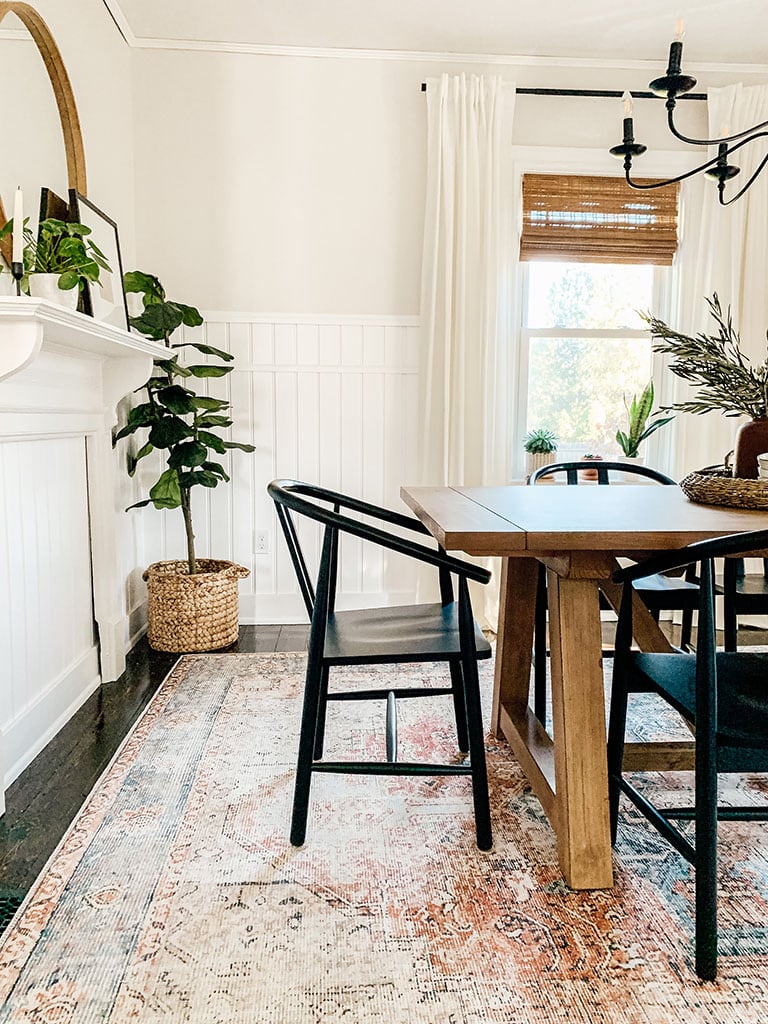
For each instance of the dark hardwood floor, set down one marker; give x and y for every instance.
(42, 802)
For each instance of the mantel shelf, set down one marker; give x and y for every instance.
(30, 328)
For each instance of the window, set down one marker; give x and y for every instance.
(585, 350)
(594, 253)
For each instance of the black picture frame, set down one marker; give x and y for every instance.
(105, 301)
(52, 205)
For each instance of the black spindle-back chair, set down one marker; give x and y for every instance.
(444, 631)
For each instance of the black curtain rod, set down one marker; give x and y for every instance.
(605, 93)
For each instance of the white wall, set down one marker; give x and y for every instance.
(296, 184)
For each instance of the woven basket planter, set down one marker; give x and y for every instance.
(718, 487)
(535, 460)
(193, 613)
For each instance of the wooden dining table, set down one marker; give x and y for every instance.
(578, 533)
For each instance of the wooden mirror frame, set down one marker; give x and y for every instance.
(65, 100)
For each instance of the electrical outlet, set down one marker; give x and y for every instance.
(261, 542)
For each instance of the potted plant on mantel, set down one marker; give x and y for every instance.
(58, 260)
(726, 381)
(193, 604)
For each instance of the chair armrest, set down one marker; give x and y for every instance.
(718, 547)
(386, 515)
(280, 493)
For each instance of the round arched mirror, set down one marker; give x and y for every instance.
(37, 95)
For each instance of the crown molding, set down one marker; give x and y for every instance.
(121, 22)
(420, 56)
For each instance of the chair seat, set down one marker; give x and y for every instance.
(749, 585)
(668, 592)
(401, 633)
(742, 709)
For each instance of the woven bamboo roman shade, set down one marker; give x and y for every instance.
(592, 219)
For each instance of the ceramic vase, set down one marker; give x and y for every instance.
(46, 286)
(751, 441)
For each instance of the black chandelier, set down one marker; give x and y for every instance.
(672, 85)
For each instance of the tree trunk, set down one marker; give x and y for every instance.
(186, 508)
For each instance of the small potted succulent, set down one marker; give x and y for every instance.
(540, 448)
(590, 474)
(642, 422)
(58, 260)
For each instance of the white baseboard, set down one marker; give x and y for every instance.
(29, 732)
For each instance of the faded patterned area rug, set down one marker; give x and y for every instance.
(176, 896)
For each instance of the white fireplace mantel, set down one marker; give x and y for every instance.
(40, 340)
(62, 375)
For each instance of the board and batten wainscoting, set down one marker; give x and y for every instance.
(330, 400)
(63, 552)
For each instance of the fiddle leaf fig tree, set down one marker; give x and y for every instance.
(174, 418)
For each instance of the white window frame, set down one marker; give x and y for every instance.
(555, 160)
(659, 302)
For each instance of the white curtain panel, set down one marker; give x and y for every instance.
(469, 258)
(724, 250)
(468, 262)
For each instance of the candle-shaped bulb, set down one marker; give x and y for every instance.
(679, 30)
(17, 254)
(627, 99)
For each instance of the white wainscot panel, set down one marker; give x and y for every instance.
(47, 632)
(328, 400)
(63, 560)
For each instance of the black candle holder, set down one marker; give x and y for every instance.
(17, 270)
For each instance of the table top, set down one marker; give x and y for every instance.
(517, 520)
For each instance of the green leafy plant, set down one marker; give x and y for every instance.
(63, 249)
(727, 381)
(540, 442)
(175, 418)
(642, 423)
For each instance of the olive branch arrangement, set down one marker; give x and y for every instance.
(725, 378)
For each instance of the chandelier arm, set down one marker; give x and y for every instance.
(743, 189)
(710, 142)
(672, 181)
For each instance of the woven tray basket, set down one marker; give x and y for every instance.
(193, 613)
(716, 486)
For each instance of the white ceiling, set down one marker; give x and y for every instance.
(717, 31)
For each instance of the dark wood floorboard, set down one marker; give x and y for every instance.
(43, 801)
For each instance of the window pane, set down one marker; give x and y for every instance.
(577, 387)
(588, 295)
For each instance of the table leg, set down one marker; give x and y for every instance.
(514, 639)
(581, 794)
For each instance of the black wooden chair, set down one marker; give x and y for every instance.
(743, 594)
(659, 593)
(444, 631)
(723, 695)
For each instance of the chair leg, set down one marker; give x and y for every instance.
(686, 628)
(730, 622)
(540, 649)
(617, 725)
(321, 710)
(476, 739)
(706, 865)
(459, 705)
(309, 717)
